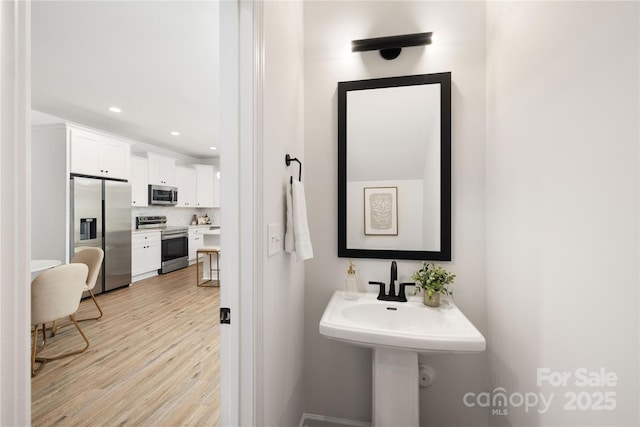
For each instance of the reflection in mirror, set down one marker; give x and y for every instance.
(394, 167)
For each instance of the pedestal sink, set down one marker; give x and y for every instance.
(397, 332)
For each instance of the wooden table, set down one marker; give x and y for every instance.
(43, 264)
(39, 265)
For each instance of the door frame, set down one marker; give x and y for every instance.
(15, 214)
(241, 218)
(241, 354)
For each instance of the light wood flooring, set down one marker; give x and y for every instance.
(153, 359)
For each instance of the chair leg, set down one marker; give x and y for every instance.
(34, 349)
(44, 337)
(44, 360)
(208, 283)
(202, 283)
(217, 268)
(198, 269)
(95, 301)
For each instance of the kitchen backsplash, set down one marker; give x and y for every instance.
(175, 216)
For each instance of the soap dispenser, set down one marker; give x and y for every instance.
(351, 283)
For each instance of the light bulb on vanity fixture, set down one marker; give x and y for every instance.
(390, 47)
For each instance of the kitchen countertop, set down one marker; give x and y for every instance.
(146, 230)
(214, 232)
(207, 229)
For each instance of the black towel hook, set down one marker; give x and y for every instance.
(288, 159)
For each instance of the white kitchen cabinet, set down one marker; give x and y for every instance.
(204, 185)
(216, 187)
(162, 170)
(145, 252)
(196, 241)
(139, 182)
(186, 183)
(99, 155)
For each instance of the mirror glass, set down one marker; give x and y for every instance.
(394, 140)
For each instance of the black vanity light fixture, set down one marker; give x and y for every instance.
(390, 47)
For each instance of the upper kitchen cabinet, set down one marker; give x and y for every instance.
(96, 154)
(186, 183)
(205, 175)
(216, 187)
(162, 170)
(139, 182)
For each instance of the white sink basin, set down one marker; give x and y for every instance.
(397, 332)
(411, 325)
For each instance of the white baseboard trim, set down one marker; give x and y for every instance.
(308, 420)
(144, 276)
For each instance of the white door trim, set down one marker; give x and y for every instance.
(241, 216)
(15, 214)
(241, 357)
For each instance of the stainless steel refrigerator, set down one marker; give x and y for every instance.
(101, 217)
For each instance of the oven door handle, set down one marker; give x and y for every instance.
(174, 236)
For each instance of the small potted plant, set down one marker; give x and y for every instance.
(433, 280)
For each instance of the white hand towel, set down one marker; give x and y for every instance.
(300, 227)
(289, 240)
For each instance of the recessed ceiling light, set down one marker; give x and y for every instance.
(115, 110)
(175, 133)
(213, 148)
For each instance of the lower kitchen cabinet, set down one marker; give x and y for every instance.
(146, 256)
(196, 241)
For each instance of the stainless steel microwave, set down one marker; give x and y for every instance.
(163, 195)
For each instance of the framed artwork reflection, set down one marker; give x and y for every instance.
(381, 211)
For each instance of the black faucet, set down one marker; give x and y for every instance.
(391, 296)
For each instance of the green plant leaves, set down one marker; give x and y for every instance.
(433, 279)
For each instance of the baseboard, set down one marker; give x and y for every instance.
(313, 420)
(144, 276)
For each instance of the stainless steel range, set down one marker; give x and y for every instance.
(175, 242)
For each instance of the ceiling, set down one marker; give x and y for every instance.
(155, 60)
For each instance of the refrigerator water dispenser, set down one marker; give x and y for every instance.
(88, 228)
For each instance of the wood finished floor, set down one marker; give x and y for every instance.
(153, 360)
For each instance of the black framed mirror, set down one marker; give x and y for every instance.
(394, 168)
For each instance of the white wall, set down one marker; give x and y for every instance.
(283, 276)
(409, 216)
(49, 179)
(562, 203)
(338, 376)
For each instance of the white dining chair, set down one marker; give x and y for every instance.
(92, 258)
(56, 294)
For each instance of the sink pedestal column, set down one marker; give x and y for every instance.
(395, 388)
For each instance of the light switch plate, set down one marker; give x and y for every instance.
(274, 239)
